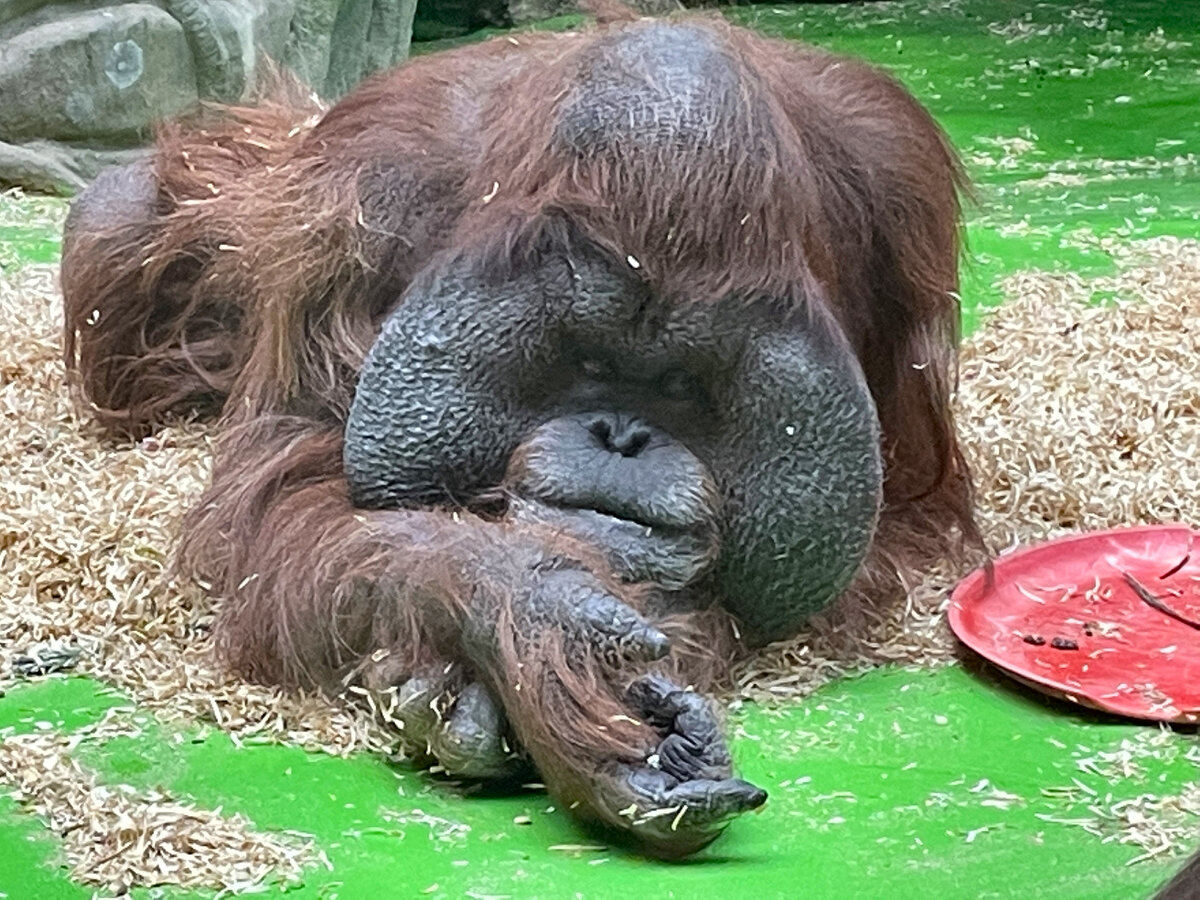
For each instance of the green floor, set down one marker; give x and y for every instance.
(901, 783)
(1079, 120)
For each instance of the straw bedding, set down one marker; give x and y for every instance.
(119, 837)
(1075, 416)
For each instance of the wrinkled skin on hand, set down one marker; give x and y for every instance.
(684, 770)
(673, 795)
(556, 595)
(684, 794)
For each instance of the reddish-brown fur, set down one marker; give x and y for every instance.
(276, 251)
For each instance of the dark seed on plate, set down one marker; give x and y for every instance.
(1061, 643)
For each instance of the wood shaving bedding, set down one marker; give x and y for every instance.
(1074, 416)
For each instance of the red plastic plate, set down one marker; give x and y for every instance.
(1064, 617)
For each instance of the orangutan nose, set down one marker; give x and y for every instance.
(618, 434)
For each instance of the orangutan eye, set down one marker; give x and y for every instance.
(595, 369)
(677, 384)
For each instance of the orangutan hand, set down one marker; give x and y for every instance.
(684, 794)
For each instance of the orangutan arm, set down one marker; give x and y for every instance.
(315, 591)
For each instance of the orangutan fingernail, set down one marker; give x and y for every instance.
(655, 644)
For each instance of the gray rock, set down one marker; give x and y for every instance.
(307, 52)
(216, 51)
(50, 168)
(229, 39)
(347, 45)
(33, 171)
(108, 73)
(525, 11)
(368, 36)
(335, 44)
(390, 34)
(79, 82)
(15, 9)
(273, 26)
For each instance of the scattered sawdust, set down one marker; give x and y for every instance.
(1158, 825)
(85, 533)
(1074, 417)
(1017, 30)
(31, 211)
(1125, 761)
(119, 837)
(86, 529)
(1084, 416)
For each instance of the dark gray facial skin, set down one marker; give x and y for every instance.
(730, 439)
(627, 486)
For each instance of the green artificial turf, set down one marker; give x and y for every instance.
(1076, 120)
(898, 783)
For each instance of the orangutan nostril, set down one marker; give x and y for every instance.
(602, 431)
(628, 438)
(631, 441)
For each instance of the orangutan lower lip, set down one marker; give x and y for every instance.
(663, 528)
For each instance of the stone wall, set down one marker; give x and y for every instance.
(82, 82)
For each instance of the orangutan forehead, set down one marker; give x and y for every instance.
(668, 147)
(605, 295)
(658, 86)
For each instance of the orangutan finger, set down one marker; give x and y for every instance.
(612, 627)
(684, 795)
(674, 818)
(658, 699)
(713, 801)
(471, 741)
(707, 801)
(421, 702)
(686, 758)
(693, 746)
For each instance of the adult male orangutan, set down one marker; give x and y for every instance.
(552, 372)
